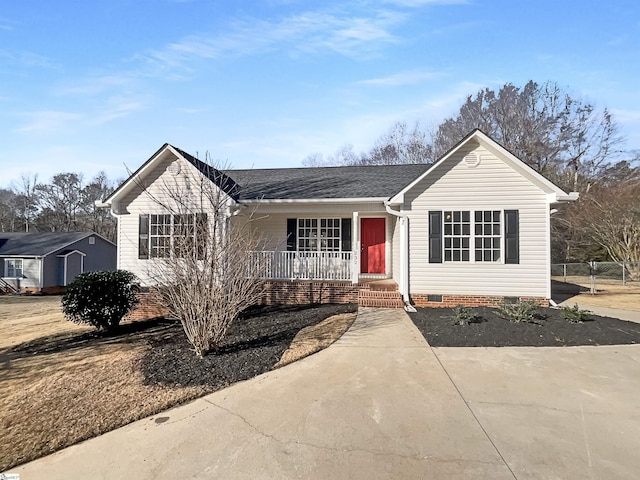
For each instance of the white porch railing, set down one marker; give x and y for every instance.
(303, 265)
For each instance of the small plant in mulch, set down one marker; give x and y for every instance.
(575, 314)
(521, 311)
(464, 316)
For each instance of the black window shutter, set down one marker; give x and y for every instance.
(435, 237)
(292, 227)
(345, 234)
(143, 237)
(511, 237)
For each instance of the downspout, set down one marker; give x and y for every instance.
(404, 256)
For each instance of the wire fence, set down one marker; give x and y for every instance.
(608, 273)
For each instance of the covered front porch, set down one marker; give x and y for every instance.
(312, 266)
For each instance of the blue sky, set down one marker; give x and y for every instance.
(100, 85)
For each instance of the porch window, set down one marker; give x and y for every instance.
(164, 235)
(13, 268)
(319, 234)
(467, 235)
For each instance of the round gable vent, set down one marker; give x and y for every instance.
(174, 168)
(472, 159)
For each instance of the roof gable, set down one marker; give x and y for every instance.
(554, 193)
(224, 182)
(38, 244)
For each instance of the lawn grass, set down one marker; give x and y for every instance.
(71, 383)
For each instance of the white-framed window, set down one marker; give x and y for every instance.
(457, 235)
(319, 234)
(466, 230)
(166, 235)
(160, 235)
(487, 234)
(13, 267)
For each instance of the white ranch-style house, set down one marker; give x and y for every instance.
(472, 229)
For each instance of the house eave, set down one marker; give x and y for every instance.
(280, 201)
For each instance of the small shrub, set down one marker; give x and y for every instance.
(521, 311)
(575, 314)
(100, 299)
(464, 315)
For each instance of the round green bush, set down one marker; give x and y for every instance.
(100, 299)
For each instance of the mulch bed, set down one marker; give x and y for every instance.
(142, 369)
(438, 328)
(253, 345)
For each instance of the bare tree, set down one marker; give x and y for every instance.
(95, 219)
(61, 202)
(400, 145)
(609, 216)
(554, 133)
(8, 218)
(205, 271)
(27, 198)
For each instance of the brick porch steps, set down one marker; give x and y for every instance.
(381, 294)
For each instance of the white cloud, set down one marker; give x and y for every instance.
(26, 59)
(403, 78)
(422, 3)
(47, 121)
(309, 32)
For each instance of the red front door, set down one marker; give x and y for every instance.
(372, 243)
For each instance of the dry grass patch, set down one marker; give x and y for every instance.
(317, 337)
(609, 293)
(70, 384)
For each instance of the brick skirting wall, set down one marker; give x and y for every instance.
(149, 306)
(421, 300)
(299, 292)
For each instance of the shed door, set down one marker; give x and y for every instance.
(372, 243)
(74, 267)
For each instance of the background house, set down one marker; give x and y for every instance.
(471, 229)
(45, 262)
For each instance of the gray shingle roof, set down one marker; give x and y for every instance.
(37, 244)
(325, 182)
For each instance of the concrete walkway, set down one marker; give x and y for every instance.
(376, 404)
(380, 403)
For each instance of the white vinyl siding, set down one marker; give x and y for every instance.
(138, 202)
(491, 185)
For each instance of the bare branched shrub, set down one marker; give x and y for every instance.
(205, 273)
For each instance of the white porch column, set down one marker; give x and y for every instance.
(355, 249)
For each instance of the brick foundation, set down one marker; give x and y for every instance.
(304, 292)
(149, 306)
(421, 300)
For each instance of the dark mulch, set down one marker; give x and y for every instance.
(253, 345)
(437, 327)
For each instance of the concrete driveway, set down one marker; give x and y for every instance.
(380, 403)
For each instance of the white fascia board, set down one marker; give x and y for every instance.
(71, 253)
(567, 197)
(514, 162)
(315, 200)
(136, 176)
(518, 165)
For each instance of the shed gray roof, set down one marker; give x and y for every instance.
(374, 181)
(37, 244)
